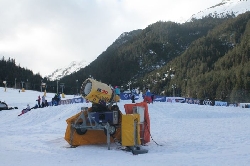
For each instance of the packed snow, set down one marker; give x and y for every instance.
(181, 134)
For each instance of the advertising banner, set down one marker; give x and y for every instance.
(244, 105)
(220, 103)
(194, 101)
(208, 102)
(63, 102)
(160, 98)
(175, 99)
(127, 96)
(78, 100)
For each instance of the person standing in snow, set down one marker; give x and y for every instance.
(46, 103)
(38, 101)
(133, 92)
(117, 91)
(43, 101)
(59, 98)
(147, 97)
(152, 97)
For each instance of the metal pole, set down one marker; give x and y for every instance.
(41, 85)
(57, 87)
(174, 86)
(5, 85)
(27, 84)
(76, 87)
(22, 84)
(108, 135)
(15, 83)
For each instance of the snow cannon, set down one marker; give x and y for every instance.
(97, 92)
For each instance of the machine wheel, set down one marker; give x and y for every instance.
(81, 131)
(112, 130)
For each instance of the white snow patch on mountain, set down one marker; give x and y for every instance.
(226, 7)
(71, 68)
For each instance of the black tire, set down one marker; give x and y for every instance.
(112, 130)
(81, 131)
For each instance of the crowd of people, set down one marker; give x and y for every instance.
(44, 102)
(41, 103)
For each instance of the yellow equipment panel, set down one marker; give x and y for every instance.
(130, 130)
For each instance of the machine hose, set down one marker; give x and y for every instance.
(151, 135)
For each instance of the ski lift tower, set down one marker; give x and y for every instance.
(44, 86)
(62, 86)
(5, 85)
(22, 82)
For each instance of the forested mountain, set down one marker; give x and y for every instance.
(18, 77)
(144, 51)
(205, 58)
(215, 66)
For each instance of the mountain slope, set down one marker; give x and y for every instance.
(145, 51)
(224, 9)
(71, 68)
(215, 66)
(76, 66)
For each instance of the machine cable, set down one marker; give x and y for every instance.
(151, 135)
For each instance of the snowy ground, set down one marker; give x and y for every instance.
(182, 134)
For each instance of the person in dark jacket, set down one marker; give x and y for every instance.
(39, 101)
(152, 97)
(133, 93)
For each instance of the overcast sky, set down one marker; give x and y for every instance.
(44, 35)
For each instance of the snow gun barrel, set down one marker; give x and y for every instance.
(97, 92)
